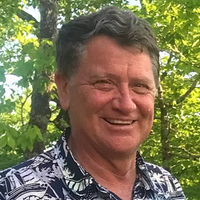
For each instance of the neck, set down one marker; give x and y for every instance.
(117, 174)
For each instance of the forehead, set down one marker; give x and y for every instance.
(104, 57)
(105, 49)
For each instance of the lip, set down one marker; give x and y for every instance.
(119, 122)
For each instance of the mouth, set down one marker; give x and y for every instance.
(119, 122)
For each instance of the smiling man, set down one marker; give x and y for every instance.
(108, 66)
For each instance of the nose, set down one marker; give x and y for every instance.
(124, 102)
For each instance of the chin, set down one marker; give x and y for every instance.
(123, 148)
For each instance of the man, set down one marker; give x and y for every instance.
(108, 66)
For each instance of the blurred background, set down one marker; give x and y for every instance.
(31, 118)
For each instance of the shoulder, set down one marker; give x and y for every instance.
(32, 175)
(155, 169)
(164, 181)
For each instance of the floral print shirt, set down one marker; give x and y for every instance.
(56, 175)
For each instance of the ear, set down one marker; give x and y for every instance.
(62, 88)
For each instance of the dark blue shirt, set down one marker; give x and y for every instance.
(56, 175)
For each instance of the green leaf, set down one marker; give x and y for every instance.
(2, 74)
(13, 132)
(38, 133)
(24, 146)
(11, 142)
(3, 141)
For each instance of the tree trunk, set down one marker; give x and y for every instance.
(165, 130)
(40, 111)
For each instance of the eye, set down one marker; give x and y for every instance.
(104, 85)
(140, 88)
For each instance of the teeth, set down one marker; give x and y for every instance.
(120, 122)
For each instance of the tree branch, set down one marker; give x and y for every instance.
(188, 156)
(22, 107)
(165, 72)
(183, 97)
(26, 16)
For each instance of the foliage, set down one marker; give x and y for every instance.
(177, 27)
(15, 157)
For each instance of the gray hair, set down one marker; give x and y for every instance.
(123, 26)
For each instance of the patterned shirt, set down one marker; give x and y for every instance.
(56, 175)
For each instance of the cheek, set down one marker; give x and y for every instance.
(97, 99)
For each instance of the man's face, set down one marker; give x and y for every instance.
(111, 97)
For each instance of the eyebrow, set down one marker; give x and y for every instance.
(115, 77)
(144, 79)
(104, 75)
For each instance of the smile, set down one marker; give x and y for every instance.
(119, 122)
